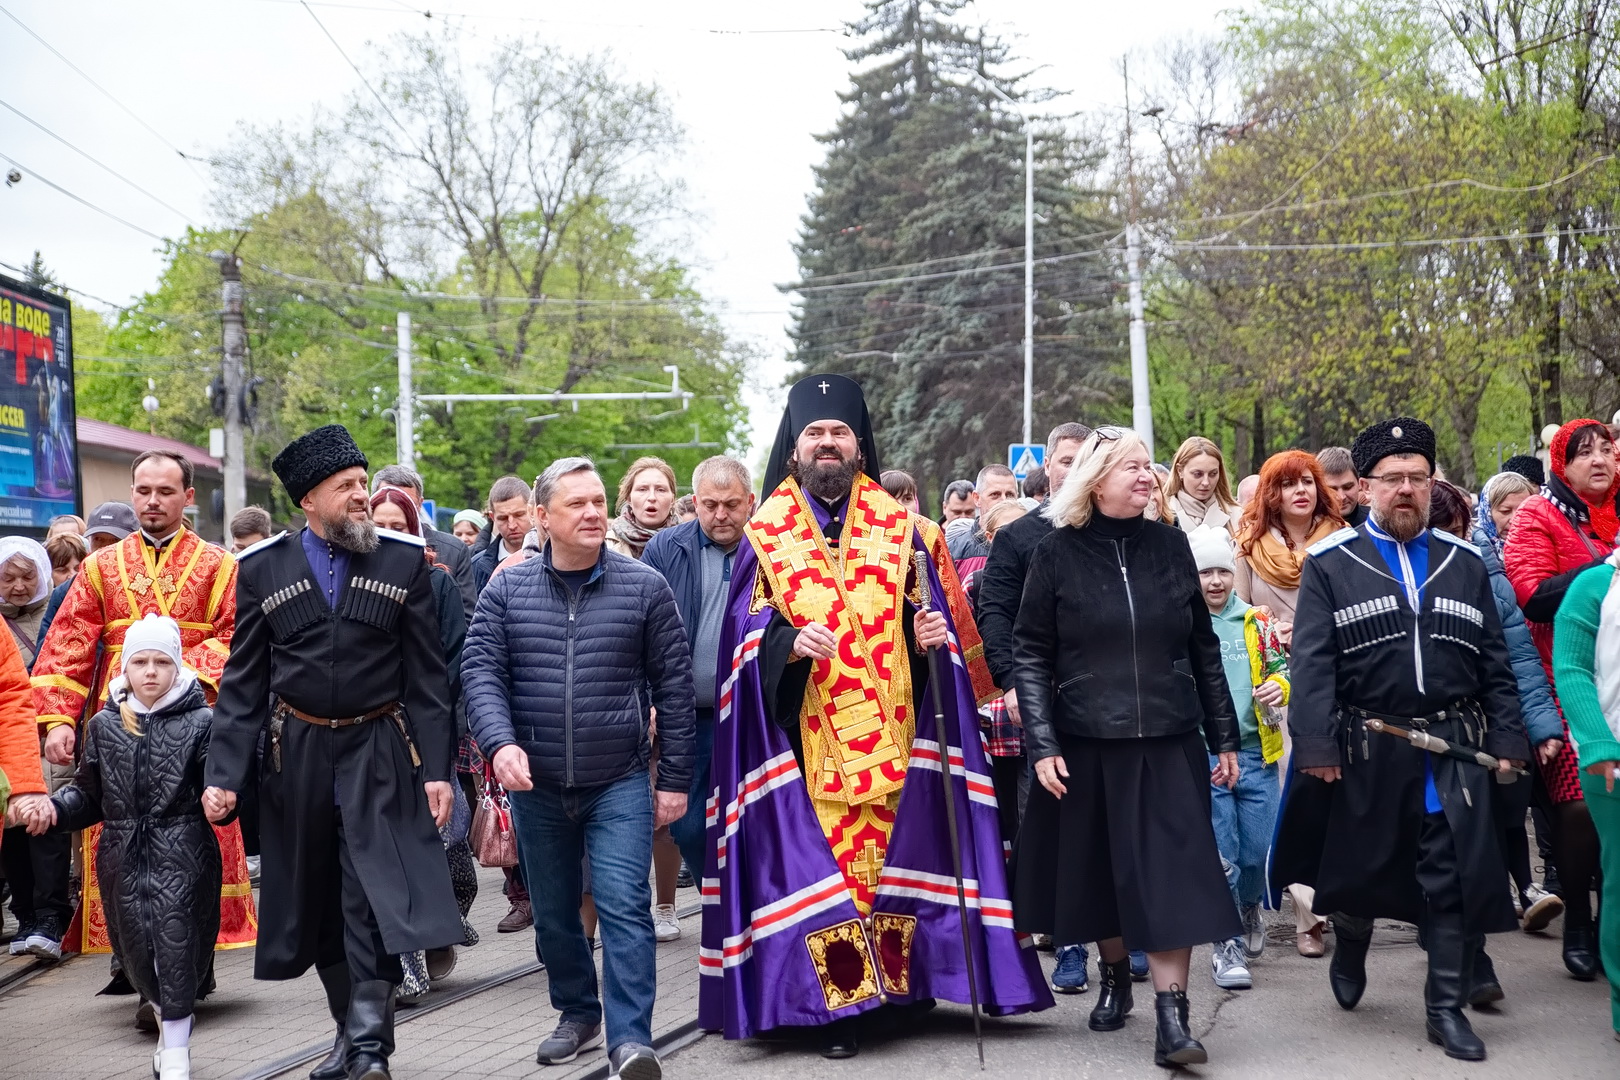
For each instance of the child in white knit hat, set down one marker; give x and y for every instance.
(140, 777)
(1244, 816)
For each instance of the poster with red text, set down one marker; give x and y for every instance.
(39, 463)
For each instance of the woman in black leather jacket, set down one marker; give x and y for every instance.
(1121, 687)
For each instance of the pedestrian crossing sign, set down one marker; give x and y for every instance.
(1025, 458)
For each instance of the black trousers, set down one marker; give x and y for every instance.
(37, 869)
(1437, 874)
(1007, 774)
(349, 933)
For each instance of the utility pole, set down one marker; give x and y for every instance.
(1029, 271)
(404, 418)
(234, 352)
(1141, 402)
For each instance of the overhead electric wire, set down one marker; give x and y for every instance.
(356, 68)
(406, 9)
(81, 199)
(1368, 245)
(99, 164)
(108, 94)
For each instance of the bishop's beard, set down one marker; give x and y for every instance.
(1404, 523)
(359, 537)
(828, 481)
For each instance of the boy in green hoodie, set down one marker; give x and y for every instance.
(1246, 815)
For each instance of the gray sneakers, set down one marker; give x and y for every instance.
(1228, 968)
(632, 1061)
(565, 1044)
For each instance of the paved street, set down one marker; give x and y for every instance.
(1289, 1027)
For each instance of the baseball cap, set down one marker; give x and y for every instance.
(113, 519)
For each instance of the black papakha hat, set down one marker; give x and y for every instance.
(1528, 466)
(311, 458)
(822, 397)
(1401, 435)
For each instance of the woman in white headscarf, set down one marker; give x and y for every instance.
(25, 588)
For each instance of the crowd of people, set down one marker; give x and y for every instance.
(1115, 706)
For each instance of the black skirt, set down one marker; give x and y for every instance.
(1128, 852)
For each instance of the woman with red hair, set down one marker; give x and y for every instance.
(1569, 526)
(1292, 509)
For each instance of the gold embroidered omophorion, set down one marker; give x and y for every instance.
(856, 721)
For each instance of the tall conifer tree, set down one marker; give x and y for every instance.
(911, 253)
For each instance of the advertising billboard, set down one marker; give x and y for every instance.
(39, 454)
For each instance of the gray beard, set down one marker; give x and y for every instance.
(825, 482)
(359, 537)
(1404, 525)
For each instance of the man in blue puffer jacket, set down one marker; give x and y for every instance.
(561, 651)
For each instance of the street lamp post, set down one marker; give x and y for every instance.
(1029, 248)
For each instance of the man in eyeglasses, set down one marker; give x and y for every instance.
(1396, 624)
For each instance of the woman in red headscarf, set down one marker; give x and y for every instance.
(1568, 527)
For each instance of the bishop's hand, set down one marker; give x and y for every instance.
(815, 642)
(931, 632)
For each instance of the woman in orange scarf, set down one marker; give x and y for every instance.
(1291, 510)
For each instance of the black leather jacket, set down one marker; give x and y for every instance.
(1114, 641)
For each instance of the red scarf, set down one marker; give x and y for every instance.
(1605, 521)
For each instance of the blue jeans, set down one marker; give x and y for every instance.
(555, 827)
(689, 831)
(1244, 819)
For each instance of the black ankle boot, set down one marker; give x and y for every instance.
(1173, 1044)
(335, 981)
(1580, 951)
(1114, 998)
(1483, 988)
(1451, 963)
(1347, 971)
(370, 1030)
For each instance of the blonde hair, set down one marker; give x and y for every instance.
(1198, 446)
(1163, 507)
(1504, 484)
(127, 715)
(1102, 450)
(1003, 513)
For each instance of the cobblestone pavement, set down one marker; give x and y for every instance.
(1286, 1028)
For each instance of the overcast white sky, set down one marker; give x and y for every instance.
(751, 103)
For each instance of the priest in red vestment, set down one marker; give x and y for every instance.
(165, 569)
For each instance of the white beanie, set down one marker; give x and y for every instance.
(1211, 548)
(155, 633)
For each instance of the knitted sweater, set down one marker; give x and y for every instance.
(1586, 663)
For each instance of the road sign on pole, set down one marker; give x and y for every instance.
(430, 511)
(1025, 458)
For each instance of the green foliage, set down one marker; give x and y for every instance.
(911, 252)
(1413, 215)
(526, 263)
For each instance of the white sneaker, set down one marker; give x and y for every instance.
(172, 1064)
(1227, 966)
(1540, 908)
(666, 927)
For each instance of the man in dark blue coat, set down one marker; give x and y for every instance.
(696, 559)
(563, 652)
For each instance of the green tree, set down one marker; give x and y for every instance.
(911, 252)
(512, 210)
